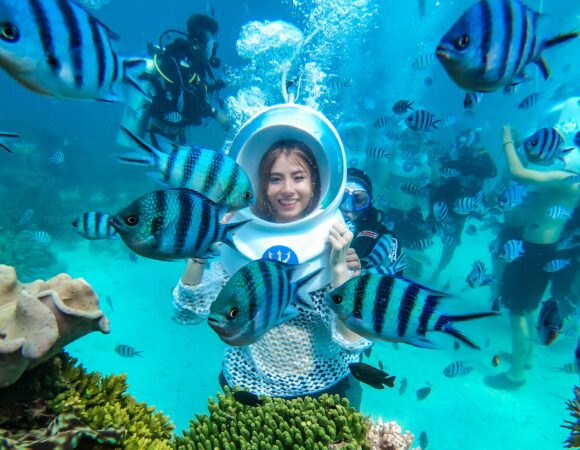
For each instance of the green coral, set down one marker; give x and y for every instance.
(61, 386)
(574, 426)
(301, 423)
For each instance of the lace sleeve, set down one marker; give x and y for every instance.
(192, 303)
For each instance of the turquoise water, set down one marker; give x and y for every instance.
(373, 43)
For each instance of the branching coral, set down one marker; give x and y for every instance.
(101, 402)
(302, 423)
(574, 426)
(388, 436)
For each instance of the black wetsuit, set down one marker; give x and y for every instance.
(368, 230)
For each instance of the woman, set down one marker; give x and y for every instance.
(306, 355)
(525, 280)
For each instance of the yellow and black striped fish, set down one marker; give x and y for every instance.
(58, 48)
(387, 308)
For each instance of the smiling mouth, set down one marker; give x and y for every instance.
(288, 203)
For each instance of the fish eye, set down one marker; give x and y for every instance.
(462, 42)
(233, 313)
(337, 299)
(132, 220)
(534, 142)
(247, 195)
(9, 32)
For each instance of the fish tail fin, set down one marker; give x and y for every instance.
(544, 69)
(138, 353)
(137, 159)
(390, 381)
(149, 149)
(304, 301)
(446, 325)
(228, 228)
(128, 65)
(435, 122)
(560, 38)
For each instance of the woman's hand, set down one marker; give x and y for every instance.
(353, 262)
(507, 134)
(339, 237)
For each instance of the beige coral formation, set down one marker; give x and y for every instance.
(389, 436)
(38, 319)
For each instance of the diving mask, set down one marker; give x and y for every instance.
(355, 197)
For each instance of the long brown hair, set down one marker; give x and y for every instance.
(304, 157)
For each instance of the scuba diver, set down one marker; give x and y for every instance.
(179, 80)
(363, 219)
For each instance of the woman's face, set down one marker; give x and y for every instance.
(289, 189)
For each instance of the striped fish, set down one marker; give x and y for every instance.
(549, 322)
(472, 99)
(511, 250)
(383, 258)
(477, 277)
(412, 189)
(457, 369)
(421, 244)
(95, 225)
(57, 48)
(512, 196)
(173, 224)
(492, 42)
(559, 212)
(555, 265)
(466, 205)
(423, 60)
(5, 134)
(57, 157)
(530, 101)
(126, 351)
(382, 307)
(448, 172)
(402, 106)
(441, 212)
(421, 120)
(258, 297)
(43, 237)
(393, 135)
(570, 368)
(384, 121)
(377, 153)
(26, 216)
(336, 84)
(173, 117)
(212, 174)
(545, 146)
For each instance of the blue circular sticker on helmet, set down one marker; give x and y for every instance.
(281, 253)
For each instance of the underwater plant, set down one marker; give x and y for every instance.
(573, 406)
(276, 424)
(61, 388)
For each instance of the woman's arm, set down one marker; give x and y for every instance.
(550, 178)
(193, 272)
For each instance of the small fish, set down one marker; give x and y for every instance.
(423, 440)
(457, 369)
(441, 212)
(549, 322)
(555, 265)
(127, 351)
(109, 301)
(173, 117)
(248, 398)
(212, 174)
(423, 392)
(57, 157)
(472, 99)
(336, 84)
(26, 217)
(512, 196)
(240, 316)
(559, 212)
(423, 61)
(395, 309)
(492, 42)
(530, 101)
(477, 277)
(42, 236)
(403, 386)
(447, 172)
(412, 189)
(495, 361)
(402, 106)
(173, 224)
(95, 225)
(5, 134)
(383, 121)
(378, 153)
(545, 146)
(466, 205)
(421, 120)
(570, 368)
(421, 244)
(372, 376)
(393, 135)
(511, 250)
(58, 48)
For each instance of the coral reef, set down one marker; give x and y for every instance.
(573, 406)
(99, 406)
(301, 423)
(38, 319)
(388, 436)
